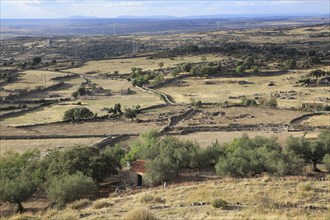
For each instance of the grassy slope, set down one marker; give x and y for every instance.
(258, 198)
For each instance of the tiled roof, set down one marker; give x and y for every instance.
(138, 166)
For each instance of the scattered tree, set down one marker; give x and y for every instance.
(78, 114)
(20, 177)
(240, 69)
(36, 60)
(67, 188)
(311, 151)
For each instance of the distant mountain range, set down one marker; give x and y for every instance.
(165, 17)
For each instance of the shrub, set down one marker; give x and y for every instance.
(100, 204)
(248, 102)
(68, 214)
(67, 188)
(325, 108)
(305, 186)
(219, 203)
(272, 102)
(80, 204)
(148, 198)
(139, 214)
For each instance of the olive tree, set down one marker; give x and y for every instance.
(20, 177)
(311, 151)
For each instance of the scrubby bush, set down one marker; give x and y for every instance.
(67, 188)
(139, 214)
(272, 102)
(305, 186)
(148, 198)
(248, 102)
(79, 204)
(102, 203)
(219, 203)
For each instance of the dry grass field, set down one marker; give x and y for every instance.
(96, 103)
(256, 198)
(220, 89)
(205, 139)
(32, 79)
(213, 116)
(44, 145)
(317, 120)
(107, 127)
(125, 65)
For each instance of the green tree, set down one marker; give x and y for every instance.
(87, 160)
(146, 140)
(250, 156)
(240, 69)
(20, 177)
(117, 108)
(326, 161)
(67, 188)
(78, 114)
(195, 70)
(248, 62)
(186, 67)
(130, 113)
(290, 64)
(176, 71)
(255, 69)
(36, 60)
(115, 153)
(311, 151)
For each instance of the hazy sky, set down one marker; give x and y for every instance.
(114, 8)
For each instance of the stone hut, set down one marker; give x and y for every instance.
(137, 172)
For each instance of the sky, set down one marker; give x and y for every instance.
(114, 8)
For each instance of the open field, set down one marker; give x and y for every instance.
(32, 79)
(45, 145)
(96, 103)
(256, 198)
(106, 127)
(221, 89)
(216, 116)
(125, 65)
(205, 139)
(317, 120)
(63, 91)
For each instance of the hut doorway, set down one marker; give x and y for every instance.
(139, 180)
